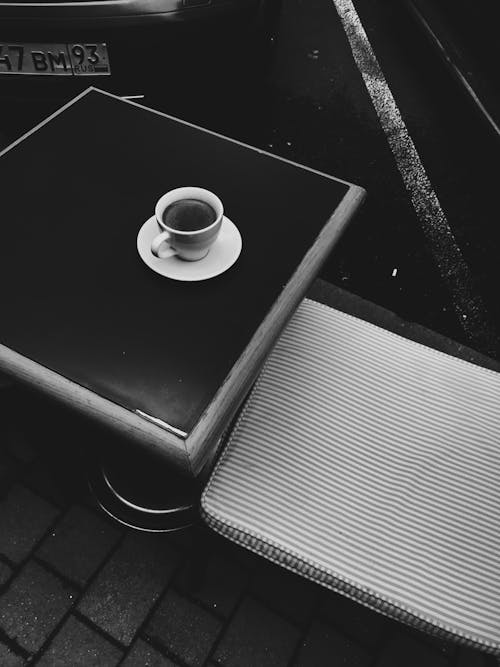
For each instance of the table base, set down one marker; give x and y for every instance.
(124, 497)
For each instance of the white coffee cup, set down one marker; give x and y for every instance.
(175, 237)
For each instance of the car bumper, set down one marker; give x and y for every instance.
(107, 13)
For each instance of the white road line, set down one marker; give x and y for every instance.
(448, 256)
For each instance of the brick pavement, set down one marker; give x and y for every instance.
(76, 589)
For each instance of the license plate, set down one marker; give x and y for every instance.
(84, 59)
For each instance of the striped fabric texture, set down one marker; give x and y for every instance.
(371, 464)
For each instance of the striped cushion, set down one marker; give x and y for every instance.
(370, 463)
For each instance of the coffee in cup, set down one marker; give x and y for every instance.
(189, 220)
(188, 215)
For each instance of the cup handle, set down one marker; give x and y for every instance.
(157, 242)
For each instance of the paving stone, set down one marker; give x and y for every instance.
(353, 619)
(77, 644)
(184, 629)
(287, 593)
(443, 646)
(216, 581)
(122, 594)
(18, 443)
(468, 657)
(44, 480)
(187, 538)
(204, 539)
(24, 518)
(244, 557)
(79, 544)
(323, 643)
(33, 605)
(144, 655)
(256, 636)
(403, 649)
(9, 659)
(8, 470)
(5, 572)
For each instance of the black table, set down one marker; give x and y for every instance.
(163, 362)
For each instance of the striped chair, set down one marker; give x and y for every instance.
(370, 463)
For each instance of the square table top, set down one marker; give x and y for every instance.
(77, 299)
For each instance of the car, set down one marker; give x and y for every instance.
(60, 38)
(177, 54)
(90, 13)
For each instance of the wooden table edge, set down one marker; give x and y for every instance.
(236, 385)
(131, 424)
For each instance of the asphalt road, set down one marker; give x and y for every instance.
(351, 89)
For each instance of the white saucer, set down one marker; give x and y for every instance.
(223, 254)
